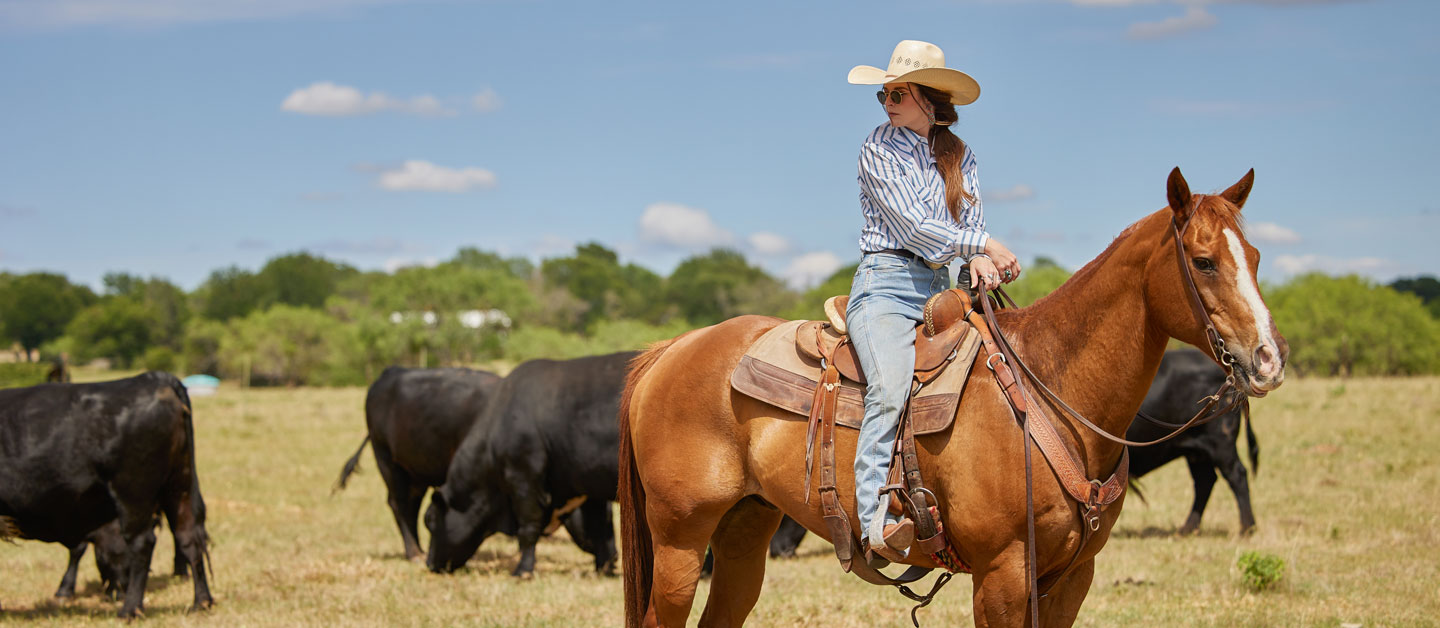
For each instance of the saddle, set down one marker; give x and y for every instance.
(780, 369)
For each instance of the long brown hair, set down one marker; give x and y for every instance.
(948, 149)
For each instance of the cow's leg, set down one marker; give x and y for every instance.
(1062, 605)
(787, 539)
(67, 582)
(181, 564)
(1239, 481)
(1202, 472)
(741, 544)
(185, 512)
(404, 497)
(600, 534)
(1001, 592)
(137, 528)
(532, 513)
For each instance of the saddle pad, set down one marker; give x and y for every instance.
(775, 372)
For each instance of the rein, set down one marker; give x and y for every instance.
(1094, 501)
(1217, 348)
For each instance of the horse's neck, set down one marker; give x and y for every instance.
(1092, 340)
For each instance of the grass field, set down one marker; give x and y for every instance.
(1348, 495)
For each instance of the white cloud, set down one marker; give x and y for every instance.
(423, 175)
(1295, 264)
(329, 99)
(811, 268)
(1195, 18)
(485, 101)
(1271, 233)
(1018, 192)
(680, 226)
(767, 243)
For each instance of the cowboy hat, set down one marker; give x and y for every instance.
(920, 62)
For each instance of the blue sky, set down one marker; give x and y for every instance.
(174, 137)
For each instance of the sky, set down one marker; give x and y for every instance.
(172, 138)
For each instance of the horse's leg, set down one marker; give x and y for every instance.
(1002, 593)
(1202, 471)
(741, 543)
(681, 528)
(1062, 605)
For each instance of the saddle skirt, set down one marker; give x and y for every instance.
(775, 370)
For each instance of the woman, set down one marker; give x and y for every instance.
(920, 197)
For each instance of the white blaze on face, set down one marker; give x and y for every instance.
(1245, 284)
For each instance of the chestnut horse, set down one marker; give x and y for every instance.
(703, 465)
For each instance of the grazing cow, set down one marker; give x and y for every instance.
(1185, 377)
(74, 457)
(416, 419)
(548, 439)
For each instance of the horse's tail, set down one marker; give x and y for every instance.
(638, 554)
(1254, 448)
(350, 466)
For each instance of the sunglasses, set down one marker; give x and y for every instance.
(895, 95)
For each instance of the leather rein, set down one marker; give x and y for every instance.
(1099, 494)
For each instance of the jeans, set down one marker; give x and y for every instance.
(887, 301)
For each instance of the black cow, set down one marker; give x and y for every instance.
(1186, 377)
(548, 438)
(74, 457)
(416, 419)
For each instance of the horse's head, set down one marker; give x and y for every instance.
(1222, 264)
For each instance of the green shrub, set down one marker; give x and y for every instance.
(19, 374)
(158, 359)
(1260, 571)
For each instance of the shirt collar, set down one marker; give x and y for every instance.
(914, 142)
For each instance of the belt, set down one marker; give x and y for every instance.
(910, 255)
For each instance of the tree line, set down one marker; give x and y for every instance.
(305, 319)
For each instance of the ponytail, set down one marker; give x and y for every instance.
(948, 149)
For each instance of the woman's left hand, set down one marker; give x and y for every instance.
(983, 275)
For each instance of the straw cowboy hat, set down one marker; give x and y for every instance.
(920, 62)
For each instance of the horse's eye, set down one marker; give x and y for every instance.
(1204, 265)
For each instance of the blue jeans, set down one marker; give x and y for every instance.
(887, 301)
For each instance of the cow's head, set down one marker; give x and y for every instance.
(459, 523)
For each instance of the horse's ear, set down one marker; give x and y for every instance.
(1178, 191)
(1241, 190)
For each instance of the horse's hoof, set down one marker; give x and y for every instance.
(525, 575)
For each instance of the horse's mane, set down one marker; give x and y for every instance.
(1210, 206)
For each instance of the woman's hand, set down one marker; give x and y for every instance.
(983, 275)
(1004, 260)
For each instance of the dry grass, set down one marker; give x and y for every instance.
(1347, 495)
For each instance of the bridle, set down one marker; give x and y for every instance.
(1216, 347)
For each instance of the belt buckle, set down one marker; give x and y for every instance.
(932, 265)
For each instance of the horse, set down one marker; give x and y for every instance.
(702, 464)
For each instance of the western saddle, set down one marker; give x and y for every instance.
(937, 340)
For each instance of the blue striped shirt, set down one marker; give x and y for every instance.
(902, 197)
